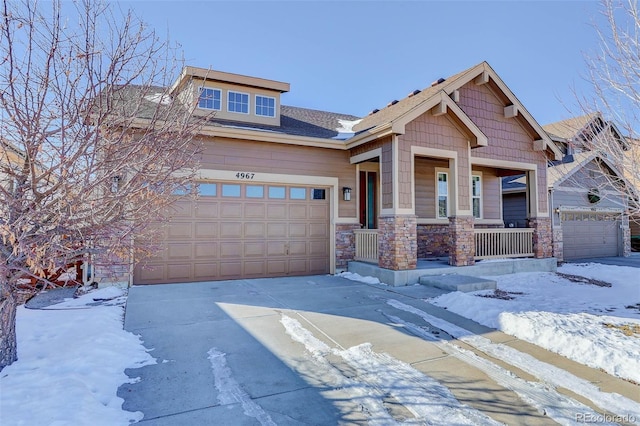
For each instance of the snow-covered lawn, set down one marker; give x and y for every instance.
(71, 361)
(595, 325)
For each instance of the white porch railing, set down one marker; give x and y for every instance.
(494, 243)
(366, 245)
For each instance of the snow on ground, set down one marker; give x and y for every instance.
(71, 361)
(357, 277)
(583, 322)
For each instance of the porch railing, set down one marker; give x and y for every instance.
(366, 245)
(495, 243)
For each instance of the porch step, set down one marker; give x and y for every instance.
(455, 282)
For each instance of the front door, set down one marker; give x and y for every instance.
(368, 200)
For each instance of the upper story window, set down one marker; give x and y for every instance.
(265, 106)
(209, 98)
(443, 195)
(238, 102)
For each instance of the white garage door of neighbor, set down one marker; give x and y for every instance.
(590, 234)
(243, 230)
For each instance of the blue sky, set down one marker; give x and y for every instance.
(354, 56)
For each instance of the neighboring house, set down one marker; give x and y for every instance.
(292, 191)
(589, 213)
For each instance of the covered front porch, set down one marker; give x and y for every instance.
(488, 243)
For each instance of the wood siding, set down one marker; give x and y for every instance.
(508, 140)
(246, 156)
(436, 132)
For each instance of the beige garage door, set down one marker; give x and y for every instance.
(590, 234)
(244, 230)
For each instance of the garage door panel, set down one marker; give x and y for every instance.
(231, 229)
(276, 230)
(206, 230)
(254, 268)
(297, 211)
(179, 251)
(318, 230)
(297, 230)
(231, 269)
(298, 266)
(255, 210)
(276, 267)
(254, 230)
(318, 266)
(276, 248)
(231, 209)
(230, 249)
(181, 209)
(179, 230)
(276, 211)
(207, 210)
(152, 272)
(205, 270)
(227, 237)
(318, 248)
(254, 249)
(319, 211)
(208, 250)
(298, 248)
(179, 271)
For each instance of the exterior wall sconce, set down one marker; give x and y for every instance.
(346, 193)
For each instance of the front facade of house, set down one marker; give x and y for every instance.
(291, 191)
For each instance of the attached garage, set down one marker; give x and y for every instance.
(238, 230)
(590, 234)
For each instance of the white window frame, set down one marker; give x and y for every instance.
(437, 191)
(255, 108)
(478, 196)
(201, 89)
(229, 92)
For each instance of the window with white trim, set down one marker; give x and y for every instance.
(476, 196)
(443, 195)
(238, 102)
(265, 106)
(210, 98)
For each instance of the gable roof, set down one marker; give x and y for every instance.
(420, 102)
(567, 129)
(584, 127)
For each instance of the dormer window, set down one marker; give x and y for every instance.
(238, 102)
(210, 98)
(265, 106)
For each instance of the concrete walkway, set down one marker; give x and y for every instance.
(225, 358)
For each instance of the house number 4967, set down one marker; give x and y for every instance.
(245, 175)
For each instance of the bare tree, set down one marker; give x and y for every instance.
(614, 72)
(92, 144)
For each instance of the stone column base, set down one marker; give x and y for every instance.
(462, 251)
(397, 242)
(345, 244)
(542, 237)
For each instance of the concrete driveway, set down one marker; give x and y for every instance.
(324, 350)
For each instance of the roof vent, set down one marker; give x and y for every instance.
(374, 111)
(393, 102)
(415, 92)
(438, 81)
